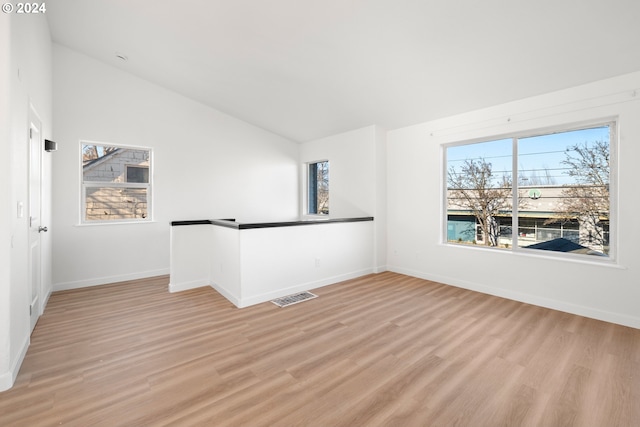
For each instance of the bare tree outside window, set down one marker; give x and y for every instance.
(318, 188)
(577, 207)
(588, 199)
(560, 182)
(474, 187)
(94, 152)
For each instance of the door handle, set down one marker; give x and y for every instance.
(41, 229)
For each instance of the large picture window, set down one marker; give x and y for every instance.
(547, 192)
(116, 183)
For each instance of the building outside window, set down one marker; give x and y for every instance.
(116, 184)
(553, 188)
(137, 173)
(318, 188)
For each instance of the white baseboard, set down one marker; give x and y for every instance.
(593, 313)
(45, 301)
(257, 299)
(8, 378)
(185, 286)
(228, 295)
(380, 269)
(108, 279)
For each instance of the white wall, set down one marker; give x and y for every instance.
(280, 261)
(250, 266)
(25, 80)
(357, 178)
(233, 169)
(6, 377)
(224, 263)
(191, 253)
(415, 179)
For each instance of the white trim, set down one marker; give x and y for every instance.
(268, 296)
(98, 184)
(228, 295)
(185, 286)
(380, 269)
(305, 191)
(257, 299)
(612, 122)
(109, 279)
(8, 378)
(550, 255)
(110, 144)
(119, 222)
(44, 301)
(580, 310)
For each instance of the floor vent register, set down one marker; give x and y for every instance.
(294, 299)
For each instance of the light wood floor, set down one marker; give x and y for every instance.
(382, 350)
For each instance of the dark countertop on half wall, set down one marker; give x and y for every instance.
(232, 223)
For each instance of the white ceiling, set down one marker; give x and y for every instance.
(306, 69)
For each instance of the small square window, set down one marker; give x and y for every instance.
(115, 183)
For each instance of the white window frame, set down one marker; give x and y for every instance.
(515, 136)
(307, 192)
(102, 184)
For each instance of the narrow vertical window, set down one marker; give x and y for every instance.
(318, 188)
(116, 183)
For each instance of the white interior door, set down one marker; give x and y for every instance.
(35, 215)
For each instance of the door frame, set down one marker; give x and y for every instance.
(34, 221)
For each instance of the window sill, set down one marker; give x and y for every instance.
(100, 223)
(557, 256)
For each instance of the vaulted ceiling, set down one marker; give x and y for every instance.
(306, 69)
